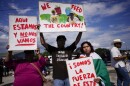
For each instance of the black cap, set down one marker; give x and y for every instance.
(61, 37)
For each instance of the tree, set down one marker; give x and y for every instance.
(45, 53)
(104, 53)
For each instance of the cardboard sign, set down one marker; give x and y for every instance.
(81, 72)
(58, 17)
(22, 33)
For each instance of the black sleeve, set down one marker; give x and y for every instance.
(50, 48)
(72, 47)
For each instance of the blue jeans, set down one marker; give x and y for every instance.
(122, 76)
(59, 82)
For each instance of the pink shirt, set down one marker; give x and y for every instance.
(26, 75)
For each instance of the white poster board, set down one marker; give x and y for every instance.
(58, 17)
(81, 72)
(22, 33)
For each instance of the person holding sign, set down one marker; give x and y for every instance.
(59, 56)
(100, 68)
(25, 72)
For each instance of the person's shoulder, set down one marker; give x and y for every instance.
(114, 48)
(71, 45)
(94, 55)
(51, 46)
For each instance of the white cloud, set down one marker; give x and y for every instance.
(103, 9)
(3, 36)
(103, 38)
(3, 42)
(115, 9)
(95, 35)
(111, 26)
(92, 9)
(96, 45)
(20, 11)
(120, 29)
(91, 29)
(4, 29)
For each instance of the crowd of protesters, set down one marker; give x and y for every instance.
(29, 70)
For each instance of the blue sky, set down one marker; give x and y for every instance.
(106, 20)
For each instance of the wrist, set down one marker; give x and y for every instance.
(9, 52)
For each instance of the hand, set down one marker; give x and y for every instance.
(7, 47)
(38, 26)
(97, 80)
(124, 56)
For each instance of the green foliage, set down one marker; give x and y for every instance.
(63, 18)
(45, 53)
(45, 17)
(102, 51)
(81, 17)
(36, 57)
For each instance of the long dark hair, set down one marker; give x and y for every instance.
(86, 42)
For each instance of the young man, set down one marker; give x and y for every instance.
(117, 61)
(59, 56)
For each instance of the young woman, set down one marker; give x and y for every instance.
(100, 68)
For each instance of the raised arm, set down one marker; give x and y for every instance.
(9, 55)
(43, 41)
(78, 38)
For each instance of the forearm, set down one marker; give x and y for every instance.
(9, 56)
(42, 40)
(78, 38)
(120, 58)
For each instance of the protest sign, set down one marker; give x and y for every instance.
(58, 17)
(22, 33)
(81, 72)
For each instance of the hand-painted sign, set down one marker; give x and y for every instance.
(22, 33)
(58, 17)
(81, 72)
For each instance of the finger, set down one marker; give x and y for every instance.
(7, 47)
(38, 26)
